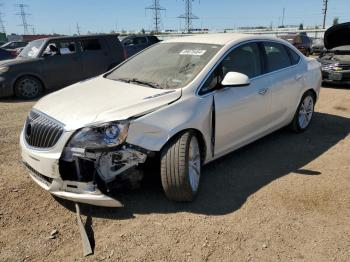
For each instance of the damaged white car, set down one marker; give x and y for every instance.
(177, 106)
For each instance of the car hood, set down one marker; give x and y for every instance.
(337, 35)
(101, 100)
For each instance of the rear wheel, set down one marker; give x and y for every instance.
(28, 87)
(181, 168)
(304, 113)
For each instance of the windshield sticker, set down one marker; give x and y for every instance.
(195, 52)
(33, 51)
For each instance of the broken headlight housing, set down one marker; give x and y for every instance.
(100, 137)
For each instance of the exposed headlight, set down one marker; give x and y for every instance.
(100, 137)
(4, 69)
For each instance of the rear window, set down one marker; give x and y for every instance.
(90, 45)
(277, 56)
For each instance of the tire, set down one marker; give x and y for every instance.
(304, 113)
(28, 87)
(181, 168)
(307, 53)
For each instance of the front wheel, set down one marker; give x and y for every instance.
(28, 87)
(181, 168)
(304, 113)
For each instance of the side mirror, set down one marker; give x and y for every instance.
(235, 79)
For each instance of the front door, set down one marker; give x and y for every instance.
(61, 64)
(241, 113)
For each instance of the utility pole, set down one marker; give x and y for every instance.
(24, 15)
(78, 29)
(2, 26)
(283, 17)
(188, 15)
(156, 8)
(324, 11)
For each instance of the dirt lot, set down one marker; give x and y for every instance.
(283, 198)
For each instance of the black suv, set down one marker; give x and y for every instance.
(52, 63)
(136, 43)
(300, 41)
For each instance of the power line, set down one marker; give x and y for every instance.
(156, 8)
(188, 15)
(324, 11)
(24, 15)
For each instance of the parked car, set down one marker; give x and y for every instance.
(14, 45)
(175, 106)
(5, 54)
(136, 43)
(336, 60)
(301, 41)
(317, 47)
(57, 62)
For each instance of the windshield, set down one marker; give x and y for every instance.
(32, 49)
(167, 65)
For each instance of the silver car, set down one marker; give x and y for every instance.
(175, 106)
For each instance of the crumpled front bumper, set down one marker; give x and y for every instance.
(43, 169)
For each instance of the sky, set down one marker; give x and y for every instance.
(62, 16)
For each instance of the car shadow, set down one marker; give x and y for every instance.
(335, 85)
(229, 181)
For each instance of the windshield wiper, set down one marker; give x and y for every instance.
(141, 82)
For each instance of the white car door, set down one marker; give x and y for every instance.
(241, 113)
(286, 77)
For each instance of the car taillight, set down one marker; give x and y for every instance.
(14, 53)
(125, 54)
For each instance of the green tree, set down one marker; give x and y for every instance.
(301, 26)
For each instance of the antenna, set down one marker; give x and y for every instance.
(24, 15)
(324, 11)
(156, 14)
(188, 15)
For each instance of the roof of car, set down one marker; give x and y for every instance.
(218, 39)
(79, 36)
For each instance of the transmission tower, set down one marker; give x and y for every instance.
(324, 11)
(188, 15)
(156, 8)
(24, 15)
(2, 26)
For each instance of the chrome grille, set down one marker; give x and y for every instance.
(41, 131)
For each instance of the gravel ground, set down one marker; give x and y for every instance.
(283, 198)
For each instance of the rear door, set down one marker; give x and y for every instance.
(286, 78)
(63, 67)
(95, 56)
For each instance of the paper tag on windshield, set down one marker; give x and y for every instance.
(197, 52)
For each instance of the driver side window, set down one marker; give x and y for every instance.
(244, 59)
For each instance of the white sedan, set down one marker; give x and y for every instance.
(174, 107)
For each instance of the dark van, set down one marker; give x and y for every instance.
(53, 63)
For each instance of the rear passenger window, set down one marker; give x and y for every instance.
(139, 40)
(294, 56)
(90, 45)
(277, 56)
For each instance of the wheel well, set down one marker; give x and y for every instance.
(198, 134)
(38, 78)
(313, 93)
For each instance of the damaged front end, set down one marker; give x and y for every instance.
(99, 160)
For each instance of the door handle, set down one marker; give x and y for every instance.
(298, 77)
(263, 91)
